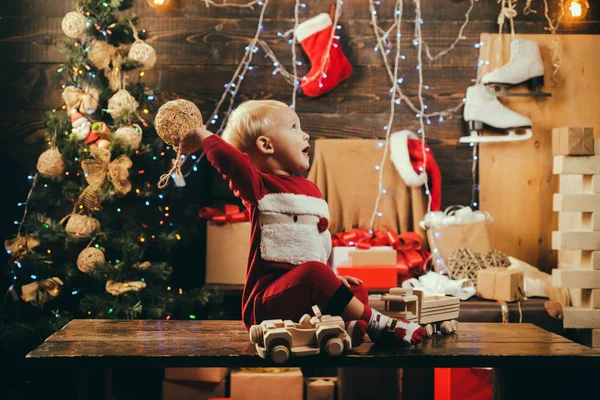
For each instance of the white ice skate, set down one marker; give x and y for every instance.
(483, 109)
(525, 67)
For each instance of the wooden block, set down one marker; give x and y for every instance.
(576, 317)
(578, 221)
(585, 298)
(588, 165)
(573, 140)
(576, 278)
(378, 257)
(576, 202)
(597, 147)
(590, 337)
(579, 183)
(575, 240)
(579, 259)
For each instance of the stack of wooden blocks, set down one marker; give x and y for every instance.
(577, 161)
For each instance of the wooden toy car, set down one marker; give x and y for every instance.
(435, 313)
(278, 339)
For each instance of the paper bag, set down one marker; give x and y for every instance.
(443, 241)
(227, 248)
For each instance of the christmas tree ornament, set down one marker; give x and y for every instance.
(81, 226)
(117, 288)
(329, 65)
(22, 244)
(129, 136)
(89, 258)
(122, 102)
(173, 120)
(82, 100)
(141, 51)
(73, 25)
(50, 163)
(38, 293)
(81, 126)
(102, 130)
(406, 153)
(97, 169)
(101, 54)
(103, 144)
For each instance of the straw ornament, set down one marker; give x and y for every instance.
(21, 244)
(73, 25)
(89, 258)
(173, 120)
(117, 288)
(101, 54)
(84, 100)
(122, 102)
(463, 263)
(81, 226)
(129, 136)
(141, 51)
(38, 293)
(50, 163)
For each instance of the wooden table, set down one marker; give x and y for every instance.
(515, 351)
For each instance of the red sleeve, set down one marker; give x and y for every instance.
(235, 166)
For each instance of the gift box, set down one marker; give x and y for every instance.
(214, 375)
(227, 248)
(178, 390)
(320, 388)
(267, 383)
(573, 141)
(373, 276)
(463, 384)
(500, 284)
(340, 255)
(360, 258)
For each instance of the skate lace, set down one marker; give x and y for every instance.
(514, 56)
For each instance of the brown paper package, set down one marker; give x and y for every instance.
(500, 284)
(227, 248)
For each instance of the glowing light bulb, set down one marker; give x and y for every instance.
(578, 8)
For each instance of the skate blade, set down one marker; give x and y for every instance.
(500, 90)
(512, 136)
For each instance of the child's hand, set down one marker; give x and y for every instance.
(348, 280)
(192, 140)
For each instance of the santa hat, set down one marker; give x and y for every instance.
(407, 156)
(77, 119)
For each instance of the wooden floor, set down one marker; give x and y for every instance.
(151, 343)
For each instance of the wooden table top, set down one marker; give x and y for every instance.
(160, 343)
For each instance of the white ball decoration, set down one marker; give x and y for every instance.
(143, 53)
(73, 25)
(122, 102)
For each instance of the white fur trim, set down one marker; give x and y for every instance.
(294, 243)
(401, 159)
(289, 203)
(313, 25)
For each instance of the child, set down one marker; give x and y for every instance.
(262, 152)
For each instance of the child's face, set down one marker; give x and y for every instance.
(290, 143)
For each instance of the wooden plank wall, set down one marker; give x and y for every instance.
(198, 49)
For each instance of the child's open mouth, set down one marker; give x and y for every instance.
(306, 150)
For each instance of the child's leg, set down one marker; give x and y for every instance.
(293, 295)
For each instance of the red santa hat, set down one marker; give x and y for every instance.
(407, 155)
(77, 119)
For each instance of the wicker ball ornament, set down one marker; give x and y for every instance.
(143, 53)
(81, 226)
(50, 163)
(100, 54)
(73, 25)
(122, 102)
(129, 136)
(89, 258)
(175, 118)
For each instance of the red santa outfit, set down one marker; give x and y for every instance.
(289, 244)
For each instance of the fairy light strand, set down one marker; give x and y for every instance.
(26, 204)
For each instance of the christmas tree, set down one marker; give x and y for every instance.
(97, 236)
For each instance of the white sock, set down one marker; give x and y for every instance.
(377, 325)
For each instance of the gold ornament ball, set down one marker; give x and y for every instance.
(143, 53)
(175, 118)
(50, 164)
(89, 258)
(81, 226)
(121, 102)
(73, 25)
(129, 136)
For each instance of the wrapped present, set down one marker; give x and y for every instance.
(463, 384)
(267, 383)
(573, 141)
(227, 248)
(179, 390)
(500, 284)
(230, 213)
(214, 375)
(373, 276)
(320, 388)
(360, 258)
(340, 255)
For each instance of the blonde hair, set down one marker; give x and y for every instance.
(249, 121)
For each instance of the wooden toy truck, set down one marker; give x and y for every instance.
(278, 339)
(435, 313)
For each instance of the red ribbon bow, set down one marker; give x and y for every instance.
(231, 213)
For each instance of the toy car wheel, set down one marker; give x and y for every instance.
(446, 327)
(334, 347)
(279, 354)
(429, 330)
(256, 335)
(454, 325)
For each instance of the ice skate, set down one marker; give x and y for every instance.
(524, 68)
(483, 110)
